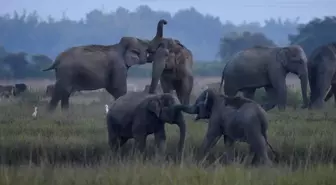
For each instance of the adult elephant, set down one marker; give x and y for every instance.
(266, 67)
(172, 64)
(92, 67)
(322, 68)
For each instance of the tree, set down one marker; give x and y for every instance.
(234, 42)
(315, 33)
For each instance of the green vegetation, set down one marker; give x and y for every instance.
(71, 148)
(315, 33)
(235, 42)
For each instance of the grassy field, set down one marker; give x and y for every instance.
(71, 148)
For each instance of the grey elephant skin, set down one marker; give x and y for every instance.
(172, 65)
(266, 67)
(50, 89)
(92, 67)
(235, 118)
(138, 114)
(321, 70)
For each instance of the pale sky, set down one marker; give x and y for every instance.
(235, 11)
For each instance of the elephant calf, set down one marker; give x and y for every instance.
(138, 114)
(236, 118)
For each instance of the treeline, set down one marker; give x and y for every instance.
(201, 33)
(30, 43)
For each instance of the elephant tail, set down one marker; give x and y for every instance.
(264, 124)
(53, 66)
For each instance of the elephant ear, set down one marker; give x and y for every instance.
(154, 107)
(237, 101)
(282, 55)
(130, 52)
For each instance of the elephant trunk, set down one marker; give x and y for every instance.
(304, 83)
(158, 67)
(159, 29)
(190, 109)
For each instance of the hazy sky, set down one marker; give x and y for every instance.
(235, 11)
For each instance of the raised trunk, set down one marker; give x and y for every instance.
(159, 34)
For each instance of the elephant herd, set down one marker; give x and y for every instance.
(237, 118)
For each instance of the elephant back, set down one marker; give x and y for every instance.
(122, 109)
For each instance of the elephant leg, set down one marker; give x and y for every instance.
(211, 138)
(65, 101)
(183, 90)
(249, 93)
(55, 97)
(166, 85)
(116, 143)
(117, 84)
(258, 146)
(270, 92)
(160, 140)
(140, 142)
(229, 150)
(278, 82)
(333, 88)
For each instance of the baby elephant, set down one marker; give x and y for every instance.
(138, 114)
(237, 119)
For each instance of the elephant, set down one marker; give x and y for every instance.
(267, 67)
(138, 114)
(19, 88)
(91, 67)
(321, 72)
(237, 119)
(6, 90)
(172, 64)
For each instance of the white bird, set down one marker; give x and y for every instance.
(106, 108)
(35, 112)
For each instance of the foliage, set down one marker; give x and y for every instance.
(30, 33)
(22, 65)
(235, 42)
(315, 33)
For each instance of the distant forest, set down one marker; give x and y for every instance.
(211, 41)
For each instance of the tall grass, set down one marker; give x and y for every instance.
(71, 148)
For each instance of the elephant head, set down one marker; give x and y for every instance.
(321, 66)
(134, 51)
(205, 103)
(294, 60)
(164, 106)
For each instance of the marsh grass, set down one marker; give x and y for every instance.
(71, 148)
